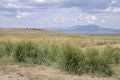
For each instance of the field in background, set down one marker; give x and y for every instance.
(44, 36)
(73, 53)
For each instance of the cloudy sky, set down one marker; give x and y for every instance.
(59, 13)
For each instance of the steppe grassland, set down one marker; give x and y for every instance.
(74, 53)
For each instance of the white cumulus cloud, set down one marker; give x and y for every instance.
(93, 18)
(15, 5)
(22, 15)
(39, 1)
(46, 1)
(90, 19)
(11, 5)
(113, 9)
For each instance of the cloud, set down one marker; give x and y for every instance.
(47, 1)
(90, 19)
(113, 2)
(60, 12)
(13, 5)
(22, 15)
(87, 4)
(112, 9)
(93, 6)
(40, 1)
(103, 21)
(5, 13)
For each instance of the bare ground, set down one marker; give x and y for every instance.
(30, 72)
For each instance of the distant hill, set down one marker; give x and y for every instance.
(89, 29)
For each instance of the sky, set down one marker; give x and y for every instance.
(59, 13)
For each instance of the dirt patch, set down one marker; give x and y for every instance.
(30, 72)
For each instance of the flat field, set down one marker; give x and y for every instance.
(27, 54)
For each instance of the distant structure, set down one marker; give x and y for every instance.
(27, 28)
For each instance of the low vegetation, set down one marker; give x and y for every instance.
(73, 53)
(66, 57)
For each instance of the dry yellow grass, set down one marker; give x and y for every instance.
(42, 37)
(51, 37)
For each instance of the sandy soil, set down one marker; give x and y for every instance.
(30, 72)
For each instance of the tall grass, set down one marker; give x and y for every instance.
(26, 52)
(97, 61)
(113, 54)
(52, 54)
(74, 60)
(1, 49)
(64, 56)
(6, 48)
(82, 61)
